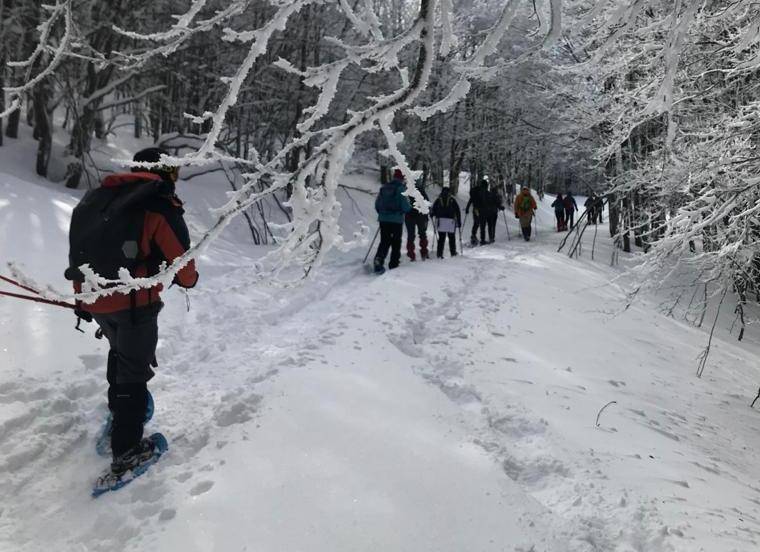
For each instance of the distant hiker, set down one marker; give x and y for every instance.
(447, 217)
(133, 221)
(416, 222)
(570, 208)
(391, 205)
(559, 212)
(525, 207)
(510, 188)
(478, 200)
(591, 208)
(599, 210)
(491, 208)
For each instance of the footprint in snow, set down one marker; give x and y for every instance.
(167, 514)
(238, 412)
(201, 488)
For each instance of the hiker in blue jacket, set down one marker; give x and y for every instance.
(391, 205)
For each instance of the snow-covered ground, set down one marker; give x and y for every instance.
(445, 406)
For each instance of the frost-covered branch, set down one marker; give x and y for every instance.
(61, 10)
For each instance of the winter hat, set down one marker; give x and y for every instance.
(398, 175)
(148, 155)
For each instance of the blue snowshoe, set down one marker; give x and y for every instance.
(103, 439)
(131, 465)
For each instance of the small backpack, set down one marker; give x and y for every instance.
(526, 204)
(106, 227)
(388, 200)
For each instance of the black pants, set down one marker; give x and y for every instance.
(478, 226)
(526, 231)
(132, 335)
(560, 219)
(491, 220)
(570, 218)
(452, 243)
(390, 238)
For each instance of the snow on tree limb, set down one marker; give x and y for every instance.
(61, 10)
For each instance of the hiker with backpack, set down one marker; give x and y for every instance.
(559, 212)
(570, 208)
(525, 208)
(132, 221)
(491, 208)
(478, 200)
(416, 222)
(447, 217)
(391, 205)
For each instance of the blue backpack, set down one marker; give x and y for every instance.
(389, 200)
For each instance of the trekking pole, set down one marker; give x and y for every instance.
(370, 245)
(37, 298)
(18, 284)
(503, 212)
(463, 225)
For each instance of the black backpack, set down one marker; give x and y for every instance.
(106, 228)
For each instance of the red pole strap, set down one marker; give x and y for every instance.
(38, 299)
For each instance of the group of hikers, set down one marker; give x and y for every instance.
(135, 220)
(565, 208)
(395, 209)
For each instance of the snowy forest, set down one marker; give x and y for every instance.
(588, 390)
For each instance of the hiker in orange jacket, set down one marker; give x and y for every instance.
(525, 207)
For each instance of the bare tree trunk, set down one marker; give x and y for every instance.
(42, 128)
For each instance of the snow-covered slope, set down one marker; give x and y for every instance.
(448, 405)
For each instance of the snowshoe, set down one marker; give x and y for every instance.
(131, 464)
(103, 439)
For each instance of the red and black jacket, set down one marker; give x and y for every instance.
(164, 237)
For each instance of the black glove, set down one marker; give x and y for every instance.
(84, 315)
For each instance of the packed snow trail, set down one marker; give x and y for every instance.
(448, 405)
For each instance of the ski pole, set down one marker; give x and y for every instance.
(370, 245)
(509, 238)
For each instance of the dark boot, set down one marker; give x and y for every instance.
(379, 268)
(128, 403)
(424, 249)
(410, 250)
